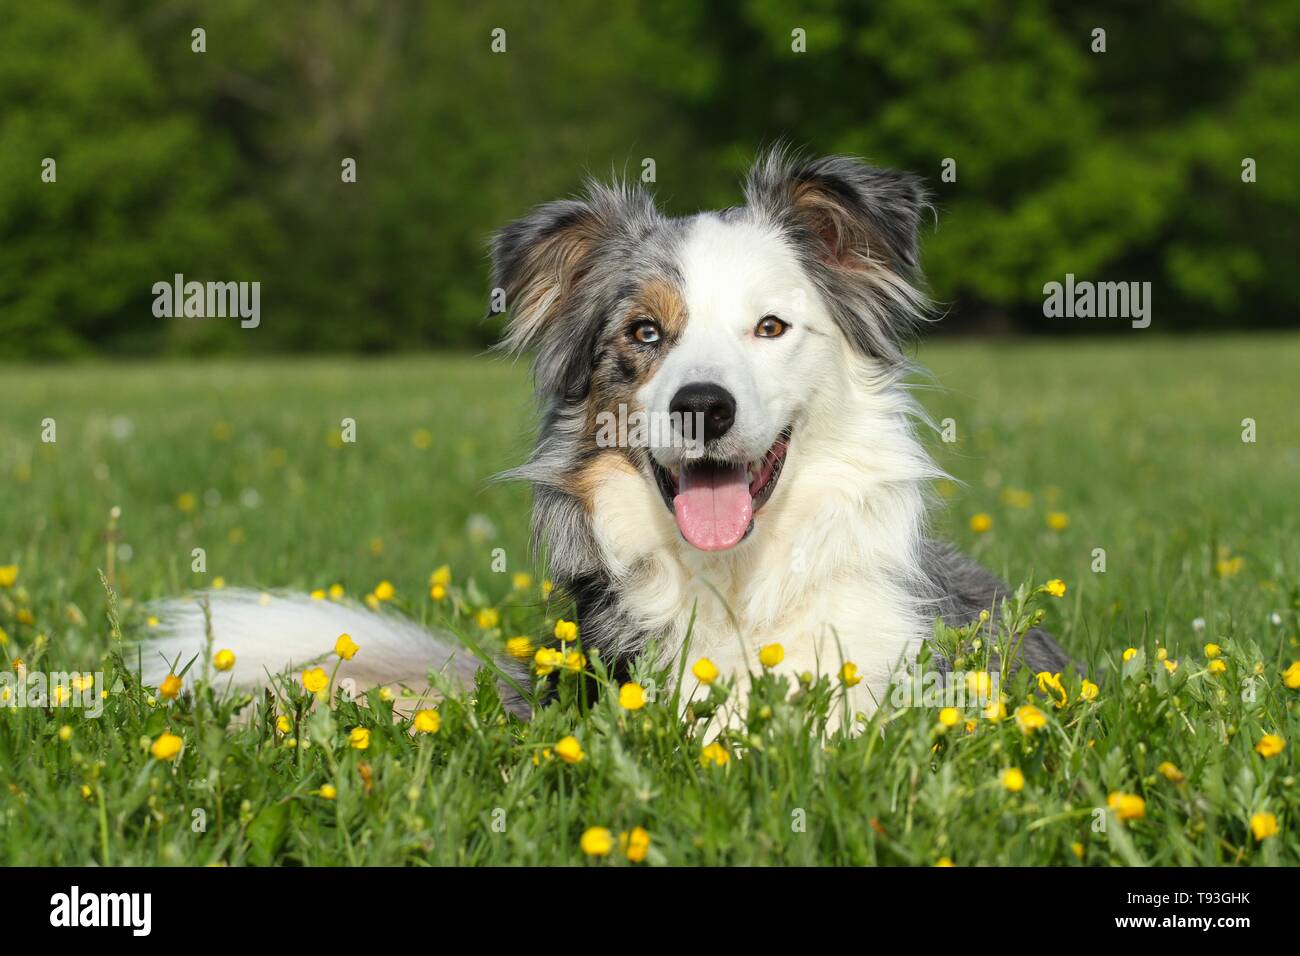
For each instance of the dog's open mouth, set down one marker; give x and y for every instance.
(714, 502)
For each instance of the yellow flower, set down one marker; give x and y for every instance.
(1170, 665)
(1055, 587)
(944, 861)
(4, 637)
(1229, 567)
(575, 662)
(1213, 650)
(1058, 520)
(166, 747)
(979, 684)
(1077, 849)
(171, 687)
(948, 717)
(336, 592)
(521, 580)
(1127, 806)
(1291, 676)
(385, 694)
(546, 588)
(1051, 683)
(441, 577)
(979, 523)
(1017, 498)
(1217, 667)
(1263, 826)
(318, 594)
(427, 721)
(705, 671)
(218, 583)
(597, 841)
(520, 648)
(25, 616)
(547, 659)
(151, 621)
(1170, 772)
(384, 591)
(631, 697)
(1270, 745)
(1088, 690)
(283, 724)
(86, 792)
(186, 501)
(65, 733)
(771, 655)
(83, 682)
(8, 575)
(635, 845)
(488, 618)
(849, 674)
(1129, 654)
(327, 791)
(438, 592)
(345, 647)
(566, 631)
(359, 738)
(1013, 779)
(995, 711)
(715, 754)
(569, 750)
(315, 680)
(1029, 718)
(224, 659)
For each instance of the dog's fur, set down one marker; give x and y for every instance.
(837, 564)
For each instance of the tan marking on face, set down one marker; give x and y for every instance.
(588, 479)
(661, 300)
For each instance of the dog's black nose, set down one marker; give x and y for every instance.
(714, 402)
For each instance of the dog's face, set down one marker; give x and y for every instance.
(718, 330)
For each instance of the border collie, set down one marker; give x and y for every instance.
(795, 515)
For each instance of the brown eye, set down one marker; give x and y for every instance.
(646, 332)
(770, 327)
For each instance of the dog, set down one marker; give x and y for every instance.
(795, 514)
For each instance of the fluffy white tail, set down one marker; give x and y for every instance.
(271, 633)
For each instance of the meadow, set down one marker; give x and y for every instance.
(1116, 466)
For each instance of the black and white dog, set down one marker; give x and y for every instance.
(797, 515)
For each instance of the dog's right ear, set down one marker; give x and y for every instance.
(539, 264)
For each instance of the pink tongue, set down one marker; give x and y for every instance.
(713, 508)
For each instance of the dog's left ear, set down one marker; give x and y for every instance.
(856, 226)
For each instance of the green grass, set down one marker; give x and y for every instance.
(1137, 440)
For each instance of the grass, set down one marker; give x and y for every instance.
(1136, 440)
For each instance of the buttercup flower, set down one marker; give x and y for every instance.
(441, 577)
(566, 631)
(520, 648)
(521, 580)
(635, 845)
(171, 687)
(995, 711)
(166, 747)
(1129, 654)
(8, 575)
(1055, 587)
(948, 717)
(849, 674)
(1170, 772)
(546, 588)
(1213, 650)
(384, 591)
(715, 754)
(771, 655)
(979, 523)
(1291, 676)
(1170, 665)
(65, 733)
(1029, 718)
(318, 594)
(315, 680)
(427, 721)
(1058, 520)
(575, 662)
(359, 738)
(597, 841)
(224, 659)
(1127, 806)
(488, 618)
(1270, 745)
(979, 685)
(569, 750)
(345, 647)
(1263, 826)
(1217, 666)
(631, 696)
(547, 659)
(1013, 779)
(336, 592)
(944, 861)
(328, 791)
(705, 671)
(283, 724)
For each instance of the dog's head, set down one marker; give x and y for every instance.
(696, 346)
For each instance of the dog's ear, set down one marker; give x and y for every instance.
(856, 228)
(540, 267)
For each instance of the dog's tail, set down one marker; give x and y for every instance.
(273, 633)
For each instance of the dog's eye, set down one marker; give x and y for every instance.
(645, 331)
(770, 327)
